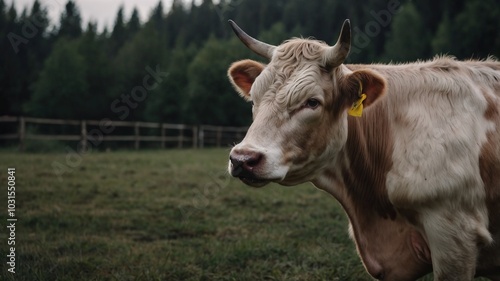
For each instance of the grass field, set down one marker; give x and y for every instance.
(167, 215)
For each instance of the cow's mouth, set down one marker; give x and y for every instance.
(253, 181)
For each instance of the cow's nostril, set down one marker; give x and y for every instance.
(244, 161)
(235, 161)
(253, 160)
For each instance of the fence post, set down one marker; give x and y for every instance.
(201, 137)
(181, 136)
(22, 133)
(195, 137)
(136, 135)
(83, 147)
(162, 133)
(219, 136)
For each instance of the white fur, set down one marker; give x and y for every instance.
(439, 130)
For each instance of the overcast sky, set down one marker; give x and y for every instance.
(104, 11)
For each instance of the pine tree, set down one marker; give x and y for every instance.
(3, 16)
(156, 19)
(71, 22)
(175, 24)
(7, 70)
(134, 24)
(38, 46)
(118, 35)
(37, 49)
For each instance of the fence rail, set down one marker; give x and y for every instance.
(104, 130)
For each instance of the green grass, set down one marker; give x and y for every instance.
(168, 215)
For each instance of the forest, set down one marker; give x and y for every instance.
(172, 67)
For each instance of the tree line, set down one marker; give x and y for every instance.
(172, 67)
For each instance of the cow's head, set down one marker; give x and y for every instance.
(300, 104)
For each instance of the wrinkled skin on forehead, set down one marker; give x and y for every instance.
(299, 114)
(290, 107)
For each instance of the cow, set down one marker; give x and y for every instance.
(410, 151)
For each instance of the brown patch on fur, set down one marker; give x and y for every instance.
(489, 166)
(369, 150)
(489, 160)
(412, 216)
(492, 112)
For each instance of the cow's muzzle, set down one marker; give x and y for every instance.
(243, 165)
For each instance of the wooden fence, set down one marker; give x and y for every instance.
(94, 132)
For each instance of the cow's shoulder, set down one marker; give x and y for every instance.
(437, 117)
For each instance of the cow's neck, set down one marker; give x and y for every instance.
(366, 159)
(357, 180)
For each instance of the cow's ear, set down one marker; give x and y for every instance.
(360, 82)
(242, 75)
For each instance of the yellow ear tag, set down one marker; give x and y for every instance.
(356, 109)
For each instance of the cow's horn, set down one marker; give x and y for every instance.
(260, 48)
(336, 55)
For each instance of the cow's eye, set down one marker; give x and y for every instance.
(312, 103)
